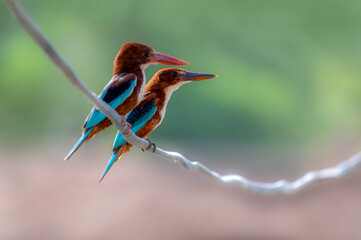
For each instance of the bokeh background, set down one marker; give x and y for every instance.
(287, 100)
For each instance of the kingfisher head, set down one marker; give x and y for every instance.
(138, 55)
(170, 79)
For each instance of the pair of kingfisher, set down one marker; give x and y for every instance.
(143, 105)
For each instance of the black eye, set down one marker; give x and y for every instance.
(146, 54)
(174, 74)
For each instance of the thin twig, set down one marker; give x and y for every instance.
(281, 186)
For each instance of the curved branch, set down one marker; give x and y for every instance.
(281, 186)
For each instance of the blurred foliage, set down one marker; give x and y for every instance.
(288, 70)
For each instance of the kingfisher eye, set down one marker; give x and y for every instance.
(146, 54)
(174, 74)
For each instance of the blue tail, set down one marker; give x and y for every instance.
(77, 145)
(110, 164)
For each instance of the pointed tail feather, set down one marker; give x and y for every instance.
(77, 145)
(110, 164)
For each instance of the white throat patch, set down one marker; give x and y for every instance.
(142, 88)
(168, 91)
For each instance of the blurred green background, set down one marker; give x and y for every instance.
(289, 71)
(287, 101)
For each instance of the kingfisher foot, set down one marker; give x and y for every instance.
(151, 145)
(128, 124)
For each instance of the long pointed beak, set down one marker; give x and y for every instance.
(194, 76)
(160, 58)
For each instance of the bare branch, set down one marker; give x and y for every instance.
(280, 186)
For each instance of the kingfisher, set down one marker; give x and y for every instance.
(150, 112)
(125, 89)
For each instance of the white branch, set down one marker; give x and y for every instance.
(281, 186)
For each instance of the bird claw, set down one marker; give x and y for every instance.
(128, 124)
(150, 146)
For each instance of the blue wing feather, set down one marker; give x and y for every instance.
(138, 117)
(110, 164)
(106, 88)
(114, 96)
(77, 145)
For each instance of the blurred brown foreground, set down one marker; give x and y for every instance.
(143, 197)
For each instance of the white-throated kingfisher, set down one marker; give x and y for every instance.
(150, 112)
(126, 88)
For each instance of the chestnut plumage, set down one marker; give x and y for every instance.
(126, 87)
(150, 112)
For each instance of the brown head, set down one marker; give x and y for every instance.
(171, 79)
(138, 56)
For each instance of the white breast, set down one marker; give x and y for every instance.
(169, 90)
(142, 88)
(141, 92)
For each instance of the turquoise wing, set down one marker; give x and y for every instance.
(138, 117)
(115, 93)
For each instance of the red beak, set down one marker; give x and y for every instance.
(160, 58)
